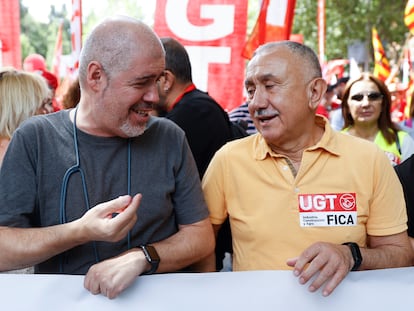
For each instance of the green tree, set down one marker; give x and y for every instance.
(109, 8)
(31, 34)
(37, 37)
(352, 20)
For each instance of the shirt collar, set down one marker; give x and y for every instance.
(188, 89)
(329, 141)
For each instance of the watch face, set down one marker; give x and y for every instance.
(152, 253)
(152, 257)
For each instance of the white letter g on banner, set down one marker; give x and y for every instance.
(222, 25)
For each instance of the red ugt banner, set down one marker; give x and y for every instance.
(213, 33)
(10, 52)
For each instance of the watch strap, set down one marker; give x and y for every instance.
(356, 254)
(151, 256)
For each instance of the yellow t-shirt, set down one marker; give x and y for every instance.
(267, 204)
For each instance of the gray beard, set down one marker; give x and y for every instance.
(133, 131)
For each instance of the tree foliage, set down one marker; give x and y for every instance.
(38, 37)
(352, 20)
(109, 8)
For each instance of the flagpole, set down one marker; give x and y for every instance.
(321, 30)
(57, 54)
(76, 33)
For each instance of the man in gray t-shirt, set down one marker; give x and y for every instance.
(60, 168)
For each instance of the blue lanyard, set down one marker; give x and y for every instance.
(77, 169)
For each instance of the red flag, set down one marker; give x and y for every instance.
(334, 70)
(10, 50)
(382, 67)
(273, 24)
(57, 55)
(76, 32)
(409, 15)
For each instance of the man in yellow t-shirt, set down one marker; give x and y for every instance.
(299, 195)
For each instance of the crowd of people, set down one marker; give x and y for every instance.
(138, 171)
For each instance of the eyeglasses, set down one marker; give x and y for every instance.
(371, 96)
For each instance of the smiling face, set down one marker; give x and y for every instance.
(280, 95)
(365, 102)
(120, 66)
(128, 98)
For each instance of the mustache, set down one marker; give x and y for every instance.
(265, 113)
(143, 106)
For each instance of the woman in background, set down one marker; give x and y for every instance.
(366, 109)
(22, 95)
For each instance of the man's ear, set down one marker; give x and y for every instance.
(317, 88)
(96, 76)
(169, 80)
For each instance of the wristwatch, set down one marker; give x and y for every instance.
(356, 254)
(151, 256)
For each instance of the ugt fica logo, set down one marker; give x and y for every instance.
(333, 202)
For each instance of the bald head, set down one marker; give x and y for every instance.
(115, 42)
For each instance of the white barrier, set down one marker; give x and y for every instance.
(389, 289)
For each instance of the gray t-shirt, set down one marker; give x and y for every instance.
(41, 152)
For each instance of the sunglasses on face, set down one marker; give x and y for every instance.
(371, 96)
